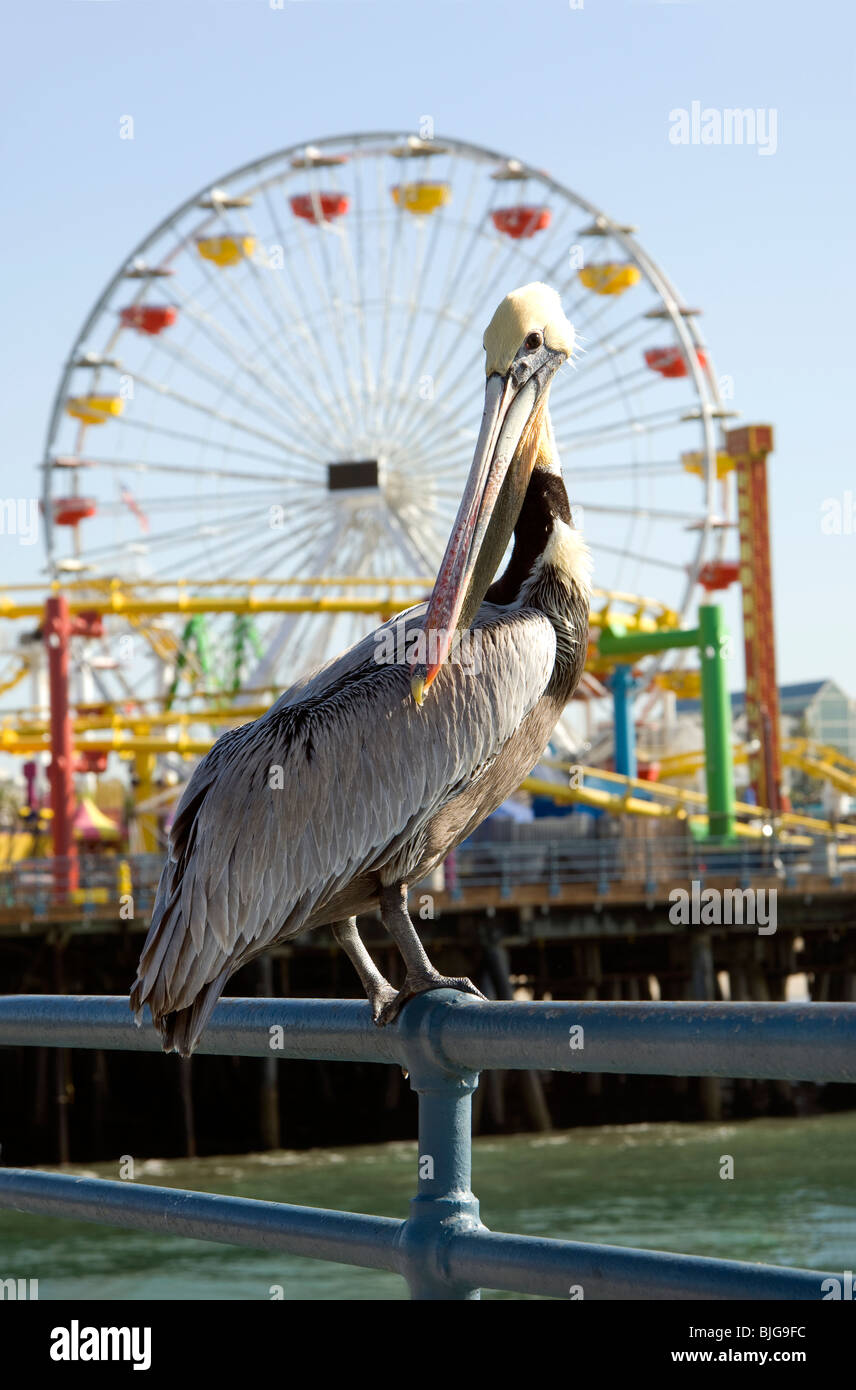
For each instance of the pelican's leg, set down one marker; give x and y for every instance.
(421, 975)
(379, 991)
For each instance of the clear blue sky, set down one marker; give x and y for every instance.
(763, 244)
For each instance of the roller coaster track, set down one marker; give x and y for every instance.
(660, 800)
(818, 760)
(132, 730)
(150, 598)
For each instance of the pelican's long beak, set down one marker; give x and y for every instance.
(507, 411)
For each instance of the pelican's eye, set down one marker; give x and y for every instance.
(533, 341)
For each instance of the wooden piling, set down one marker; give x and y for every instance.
(498, 972)
(185, 1085)
(269, 1097)
(703, 986)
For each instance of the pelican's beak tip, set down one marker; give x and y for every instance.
(417, 687)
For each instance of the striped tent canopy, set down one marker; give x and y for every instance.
(92, 825)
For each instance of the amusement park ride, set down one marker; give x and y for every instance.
(281, 382)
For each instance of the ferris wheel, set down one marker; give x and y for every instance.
(283, 382)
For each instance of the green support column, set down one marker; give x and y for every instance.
(711, 639)
(716, 714)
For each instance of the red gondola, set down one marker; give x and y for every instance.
(718, 574)
(521, 221)
(669, 361)
(68, 511)
(319, 207)
(148, 318)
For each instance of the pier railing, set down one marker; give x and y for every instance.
(443, 1040)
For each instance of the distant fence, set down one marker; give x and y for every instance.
(444, 1039)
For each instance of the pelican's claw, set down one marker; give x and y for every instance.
(381, 998)
(422, 985)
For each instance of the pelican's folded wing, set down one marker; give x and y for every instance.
(284, 812)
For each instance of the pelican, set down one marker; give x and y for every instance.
(364, 774)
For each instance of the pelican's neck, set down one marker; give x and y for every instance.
(550, 568)
(545, 542)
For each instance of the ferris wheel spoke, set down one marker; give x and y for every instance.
(466, 316)
(200, 369)
(173, 469)
(262, 570)
(459, 258)
(624, 472)
(302, 532)
(563, 418)
(641, 511)
(588, 321)
(151, 505)
(612, 343)
(491, 274)
(555, 269)
(145, 426)
(360, 270)
(357, 291)
(450, 492)
(397, 401)
(446, 426)
(181, 535)
(387, 279)
(640, 424)
(297, 318)
(237, 354)
(542, 261)
(414, 553)
(264, 670)
(383, 280)
(440, 223)
(427, 549)
(232, 421)
(242, 551)
(658, 561)
(608, 343)
(638, 376)
(579, 302)
(493, 283)
(245, 311)
(592, 361)
(444, 465)
(417, 430)
(326, 236)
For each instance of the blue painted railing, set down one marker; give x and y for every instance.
(444, 1040)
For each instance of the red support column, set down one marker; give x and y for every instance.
(749, 447)
(57, 634)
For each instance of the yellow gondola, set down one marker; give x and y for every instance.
(610, 277)
(421, 198)
(225, 250)
(94, 410)
(693, 462)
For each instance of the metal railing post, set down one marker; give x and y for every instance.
(444, 1205)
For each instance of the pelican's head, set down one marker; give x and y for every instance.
(525, 343)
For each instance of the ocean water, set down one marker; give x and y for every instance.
(791, 1202)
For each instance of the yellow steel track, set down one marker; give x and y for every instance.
(140, 733)
(113, 597)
